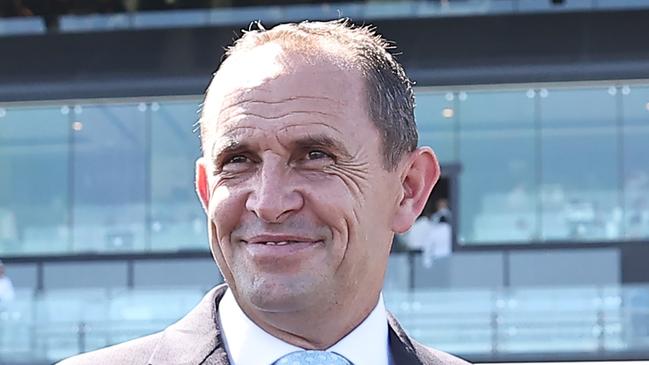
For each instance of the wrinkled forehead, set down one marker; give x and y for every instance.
(269, 77)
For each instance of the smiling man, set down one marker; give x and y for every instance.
(310, 166)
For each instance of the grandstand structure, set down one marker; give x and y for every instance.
(538, 111)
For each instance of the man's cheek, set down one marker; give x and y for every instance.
(219, 195)
(227, 211)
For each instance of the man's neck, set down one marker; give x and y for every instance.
(313, 329)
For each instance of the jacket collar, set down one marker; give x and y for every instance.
(197, 338)
(405, 350)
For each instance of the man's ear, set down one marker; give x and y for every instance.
(420, 174)
(202, 185)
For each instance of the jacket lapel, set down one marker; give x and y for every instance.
(196, 338)
(407, 351)
(401, 346)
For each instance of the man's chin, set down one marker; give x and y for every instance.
(281, 297)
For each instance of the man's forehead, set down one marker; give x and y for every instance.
(251, 68)
(252, 130)
(281, 83)
(319, 89)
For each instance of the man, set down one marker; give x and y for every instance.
(6, 287)
(310, 165)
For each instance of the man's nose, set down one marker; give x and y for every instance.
(274, 198)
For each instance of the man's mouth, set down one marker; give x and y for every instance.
(275, 243)
(277, 247)
(282, 243)
(280, 240)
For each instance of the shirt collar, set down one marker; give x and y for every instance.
(360, 346)
(248, 344)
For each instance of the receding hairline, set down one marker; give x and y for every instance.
(293, 52)
(343, 61)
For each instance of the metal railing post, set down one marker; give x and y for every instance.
(81, 336)
(601, 338)
(494, 333)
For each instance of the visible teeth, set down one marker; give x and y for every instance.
(277, 243)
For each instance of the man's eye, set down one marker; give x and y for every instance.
(236, 159)
(317, 155)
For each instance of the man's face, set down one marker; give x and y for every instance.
(299, 202)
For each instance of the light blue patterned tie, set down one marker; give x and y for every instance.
(312, 357)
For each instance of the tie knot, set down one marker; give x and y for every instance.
(312, 357)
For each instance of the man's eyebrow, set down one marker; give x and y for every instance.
(229, 146)
(234, 145)
(321, 141)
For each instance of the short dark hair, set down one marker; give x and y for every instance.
(390, 97)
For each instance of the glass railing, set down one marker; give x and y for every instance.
(475, 323)
(526, 156)
(57, 323)
(361, 10)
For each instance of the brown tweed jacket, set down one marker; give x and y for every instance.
(197, 340)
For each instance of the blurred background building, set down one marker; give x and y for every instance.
(534, 245)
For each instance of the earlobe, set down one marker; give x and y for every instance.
(202, 185)
(420, 176)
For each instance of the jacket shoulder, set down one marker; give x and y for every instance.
(446, 358)
(406, 350)
(134, 352)
(430, 356)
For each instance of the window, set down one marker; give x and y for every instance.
(177, 220)
(579, 169)
(497, 182)
(635, 102)
(34, 172)
(435, 116)
(110, 177)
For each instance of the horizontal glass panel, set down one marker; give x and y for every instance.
(535, 164)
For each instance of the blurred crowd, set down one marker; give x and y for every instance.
(53, 8)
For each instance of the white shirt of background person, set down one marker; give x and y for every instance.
(419, 233)
(6, 286)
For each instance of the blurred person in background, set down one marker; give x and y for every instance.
(432, 234)
(441, 234)
(418, 234)
(310, 166)
(6, 286)
(443, 213)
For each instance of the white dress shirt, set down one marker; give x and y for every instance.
(248, 344)
(6, 289)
